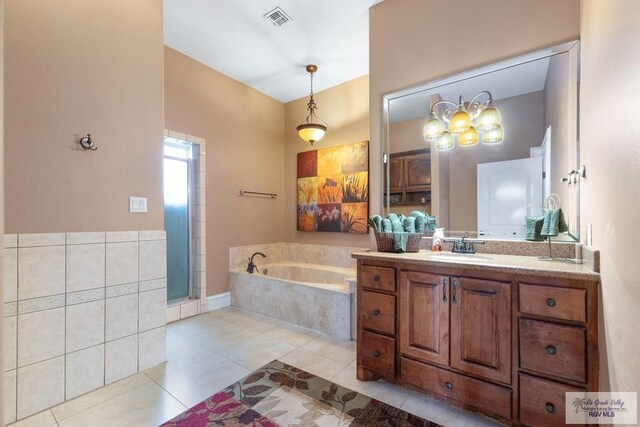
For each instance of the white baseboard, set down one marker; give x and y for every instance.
(215, 302)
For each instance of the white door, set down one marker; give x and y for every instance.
(505, 189)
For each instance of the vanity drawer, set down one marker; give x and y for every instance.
(377, 353)
(553, 349)
(381, 278)
(561, 303)
(542, 402)
(488, 398)
(378, 312)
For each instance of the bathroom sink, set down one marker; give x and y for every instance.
(452, 256)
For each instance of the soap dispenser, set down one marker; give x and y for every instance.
(438, 239)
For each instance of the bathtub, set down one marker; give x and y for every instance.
(314, 296)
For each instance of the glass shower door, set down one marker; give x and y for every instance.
(177, 224)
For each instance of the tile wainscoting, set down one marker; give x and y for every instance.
(81, 310)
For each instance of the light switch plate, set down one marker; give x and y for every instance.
(138, 204)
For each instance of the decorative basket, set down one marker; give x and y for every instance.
(385, 242)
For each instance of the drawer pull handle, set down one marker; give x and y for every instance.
(376, 278)
(551, 302)
(448, 385)
(551, 349)
(376, 354)
(550, 407)
(376, 312)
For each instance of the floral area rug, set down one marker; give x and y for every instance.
(281, 395)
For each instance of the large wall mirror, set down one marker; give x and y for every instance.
(484, 182)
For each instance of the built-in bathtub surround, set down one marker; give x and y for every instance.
(81, 310)
(318, 297)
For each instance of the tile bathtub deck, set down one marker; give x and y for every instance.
(208, 352)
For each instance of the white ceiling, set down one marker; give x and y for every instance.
(513, 81)
(233, 37)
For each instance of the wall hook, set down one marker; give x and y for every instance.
(87, 143)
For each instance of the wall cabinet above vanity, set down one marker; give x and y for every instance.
(409, 178)
(505, 342)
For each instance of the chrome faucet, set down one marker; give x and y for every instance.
(252, 266)
(464, 245)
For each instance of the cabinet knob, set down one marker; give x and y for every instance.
(376, 278)
(376, 312)
(448, 385)
(550, 408)
(551, 302)
(376, 354)
(551, 349)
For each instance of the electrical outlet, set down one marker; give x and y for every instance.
(138, 204)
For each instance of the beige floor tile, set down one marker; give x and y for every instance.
(94, 398)
(223, 339)
(257, 352)
(296, 336)
(258, 324)
(441, 413)
(43, 419)
(333, 348)
(194, 325)
(193, 384)
(313, 363)
(379, 390)
(148, 405)
(181, 352)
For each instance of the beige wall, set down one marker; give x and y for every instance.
(74, 67)
(345, 108)
(611, 193)
(243, 129)
(1, 199)
(523, 121)
(560, 108)
(410, 43)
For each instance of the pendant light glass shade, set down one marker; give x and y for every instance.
(489, 119)
(495, 136)
(311, 132)
(433, 129)
(460, 121)
(313, 128)
(444, 142)
(468, 138)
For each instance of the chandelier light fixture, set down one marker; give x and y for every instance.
(313, 128)
(465, 121)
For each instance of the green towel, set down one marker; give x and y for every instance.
(409, 224)
(550, 223)
(386, 226)
(533, 226)
(396, 224)
(376, 223)
(563, 227)
(400, 241)
(421, 220)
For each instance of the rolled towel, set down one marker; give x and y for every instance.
(396, 224)
(431, 224)
(550, 223)
(533, 226)
(400, 242)
(409, 224)
(421, 220)
(376, 223)
(386, 226)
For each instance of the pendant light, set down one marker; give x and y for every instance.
(313, 128)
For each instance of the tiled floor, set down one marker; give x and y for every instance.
(208, 352)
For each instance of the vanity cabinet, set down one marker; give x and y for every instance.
(410, 177)
(504, 344)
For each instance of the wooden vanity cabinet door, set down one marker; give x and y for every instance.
(424, 316)
(417, 169)
(396, 174)
(481, 328)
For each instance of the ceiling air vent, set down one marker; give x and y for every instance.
(277, 17)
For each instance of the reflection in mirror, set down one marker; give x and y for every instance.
(488, 186)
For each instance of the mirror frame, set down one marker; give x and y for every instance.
(465, 75)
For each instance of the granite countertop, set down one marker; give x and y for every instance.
(506, 263)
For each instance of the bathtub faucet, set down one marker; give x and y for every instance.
(252, 266)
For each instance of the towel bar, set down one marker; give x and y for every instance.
(259, 193)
